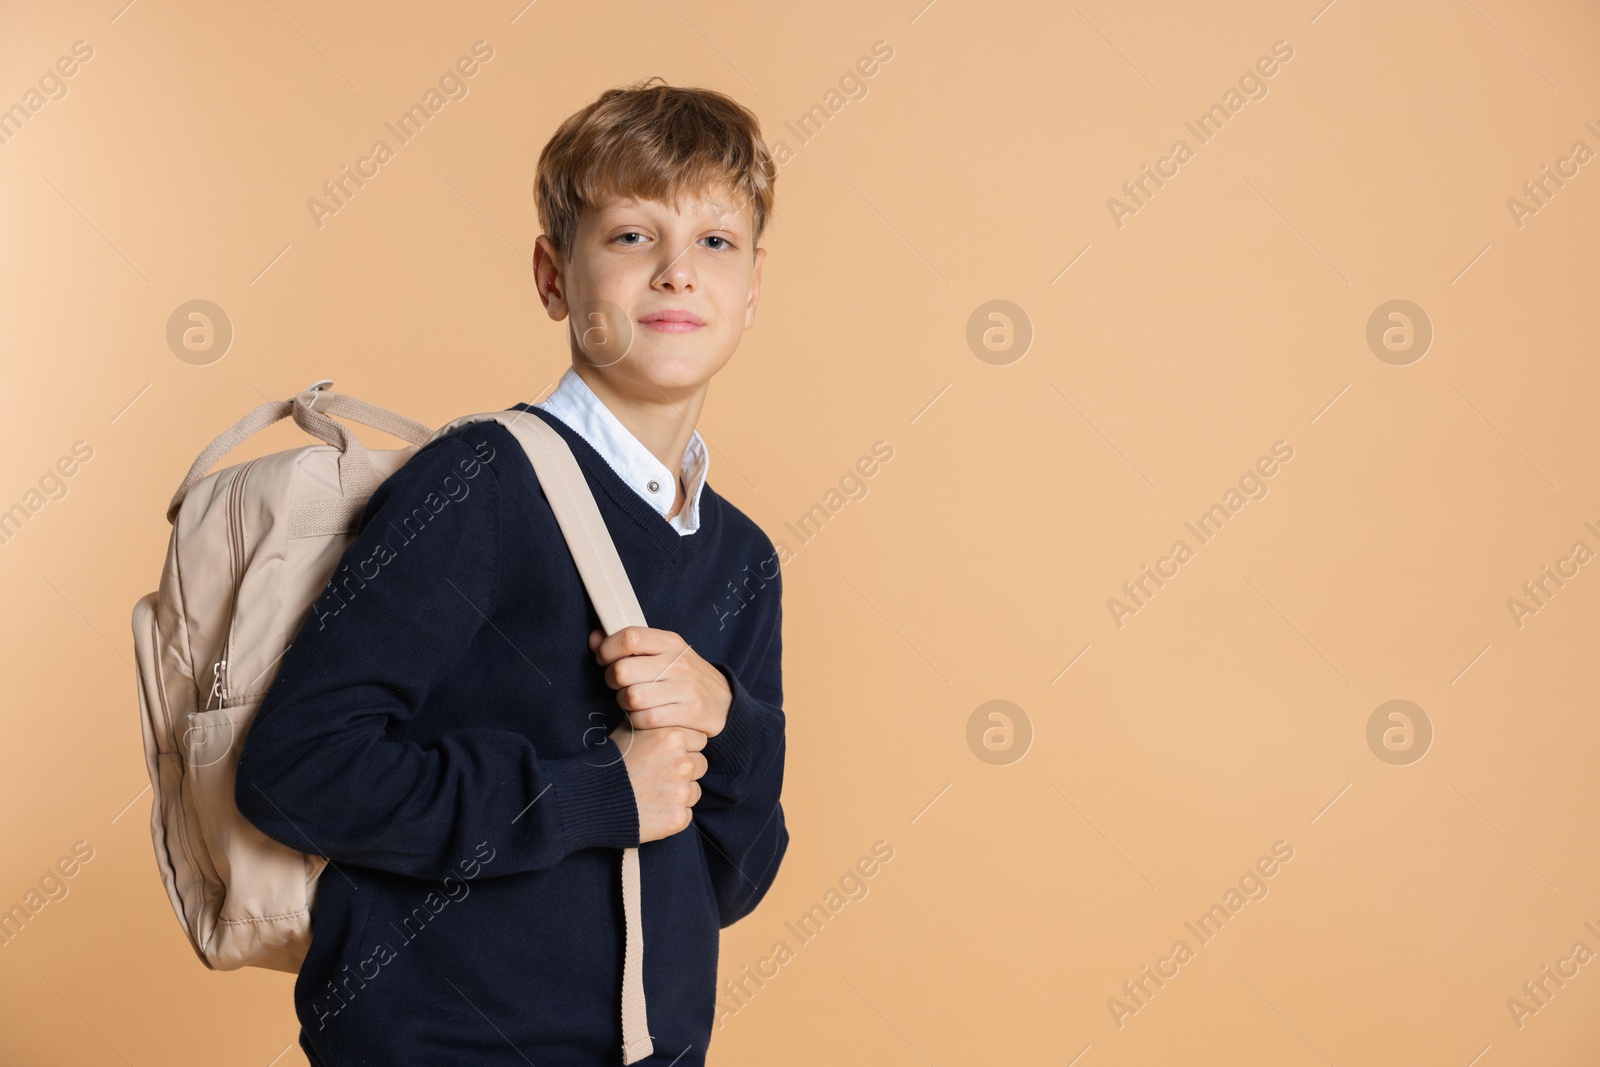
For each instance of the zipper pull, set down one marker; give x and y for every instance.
(216, 683)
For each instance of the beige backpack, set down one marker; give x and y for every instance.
(251, 547)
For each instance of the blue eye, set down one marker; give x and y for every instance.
(726, 244)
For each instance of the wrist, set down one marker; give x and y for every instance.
(594, 795)
(746, 729)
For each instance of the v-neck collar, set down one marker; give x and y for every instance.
(680, 548)
(577, 405)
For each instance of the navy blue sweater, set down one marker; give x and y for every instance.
(439, 730)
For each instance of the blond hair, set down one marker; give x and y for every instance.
(652, 142)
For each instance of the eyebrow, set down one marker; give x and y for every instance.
(732, 220)
(731, 210)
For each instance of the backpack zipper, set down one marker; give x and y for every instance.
(236, 546)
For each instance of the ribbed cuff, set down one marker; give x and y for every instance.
(595, 795)
(733, 751)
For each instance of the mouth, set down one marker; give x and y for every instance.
(672, 321)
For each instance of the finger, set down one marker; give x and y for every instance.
(647, 667)
(659, 663)
(673, 702)
(655, 719)
(629, 641)
(634, 699)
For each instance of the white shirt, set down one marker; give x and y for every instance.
(574, 403)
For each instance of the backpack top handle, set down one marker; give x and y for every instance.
(311, 408)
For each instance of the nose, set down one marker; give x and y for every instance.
(677, 274)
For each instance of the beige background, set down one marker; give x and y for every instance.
(1229, 313)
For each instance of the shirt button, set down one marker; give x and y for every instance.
(654, 485)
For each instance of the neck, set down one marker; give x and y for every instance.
(663, 424)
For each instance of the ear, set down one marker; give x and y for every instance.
(755, 290)
(547, 279)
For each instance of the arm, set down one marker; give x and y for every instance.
(319, 771)
(739, 813)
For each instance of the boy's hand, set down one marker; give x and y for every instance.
(664, 766)
(661, 681)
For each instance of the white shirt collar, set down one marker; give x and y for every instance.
(574, 403)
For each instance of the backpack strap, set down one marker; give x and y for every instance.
(608, 586)
(348, 407)
(357, 476)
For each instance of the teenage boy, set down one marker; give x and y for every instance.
(452, 729)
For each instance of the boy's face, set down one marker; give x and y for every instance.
(631, 261)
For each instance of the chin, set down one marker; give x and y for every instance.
(678, 384)
(676, 371)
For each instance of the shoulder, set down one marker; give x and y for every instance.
(446, 470)
(743, 541)
(465, 452)
(486, 441)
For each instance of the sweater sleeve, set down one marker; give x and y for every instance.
(739, 812)
(321, 769)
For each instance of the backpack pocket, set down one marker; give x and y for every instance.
(264, 918)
